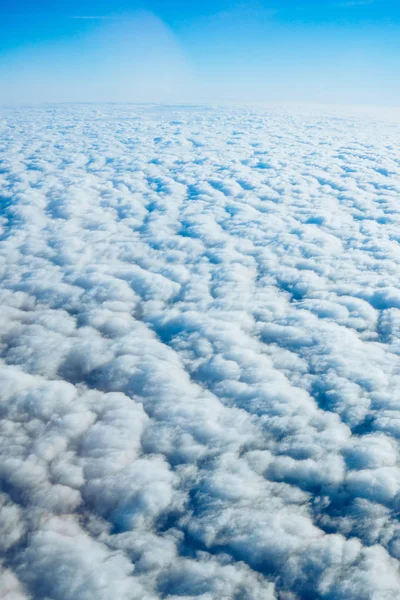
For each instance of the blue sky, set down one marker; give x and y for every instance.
(339, 51)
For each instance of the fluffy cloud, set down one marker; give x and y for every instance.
(198, 355)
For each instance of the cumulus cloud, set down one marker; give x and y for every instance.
(198, 354)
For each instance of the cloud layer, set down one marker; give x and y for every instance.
(200, 318)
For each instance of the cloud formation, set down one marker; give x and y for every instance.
(199, 326)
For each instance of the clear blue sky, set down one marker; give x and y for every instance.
(339, 51)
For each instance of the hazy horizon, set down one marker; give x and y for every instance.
(344, 53)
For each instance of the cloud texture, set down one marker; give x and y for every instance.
(200, 319)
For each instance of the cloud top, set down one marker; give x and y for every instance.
(199, 354)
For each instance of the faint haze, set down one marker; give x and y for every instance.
(337, 53)
(135, 57)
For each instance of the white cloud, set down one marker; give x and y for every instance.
(199, 354)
